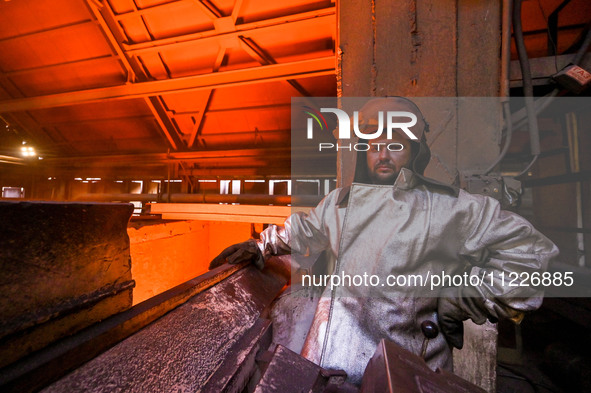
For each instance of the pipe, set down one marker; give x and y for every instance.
(528, 90)
(247, 199)
(508, 136)
(505, 71)
(506, 48)
(540, 104)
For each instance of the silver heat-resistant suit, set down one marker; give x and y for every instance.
(410, 228)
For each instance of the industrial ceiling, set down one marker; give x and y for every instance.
(155, 78)
(207, 84)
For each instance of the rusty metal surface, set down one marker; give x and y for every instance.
(64, 267)
(239, 363)
(394, 369)
(182, 350)
(288, 372)
(47, 365)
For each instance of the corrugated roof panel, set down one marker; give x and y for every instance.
(104, 125)
(71, 77)
(187, 19)
(237, 58)
(241, 121)
(122, 6)
(135, 30)
(89, 112)
(130, 135)
(67, 44)
(254, 10)
(153, 65)
(28, 16)
(197, 59)
(185, 102)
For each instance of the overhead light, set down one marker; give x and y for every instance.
(28, 151)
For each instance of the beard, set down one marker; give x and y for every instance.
(382, 178)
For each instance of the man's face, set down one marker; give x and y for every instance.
(383, 165)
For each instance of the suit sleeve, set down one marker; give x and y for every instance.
(301, 233)
(505, 250)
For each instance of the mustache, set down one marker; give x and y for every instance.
(386, 164)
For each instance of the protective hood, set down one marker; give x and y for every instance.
(421, 154)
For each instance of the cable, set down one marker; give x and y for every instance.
(528, 88)
(549, 97)
(540, 104)
(508, 136)
(527, 167)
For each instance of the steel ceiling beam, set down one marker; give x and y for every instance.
(112, 39)
(24, 71)
(164, 121)
(260, 55)
(203, 106)
(236, 10)
(155, 9)
(268, 73)
(33, 131)
(210, 10)
(206, 156)
(135, 72)
(321, 16)
(47, 30)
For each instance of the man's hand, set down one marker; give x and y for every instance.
(450, 317)
(241, 252)
(455, 305)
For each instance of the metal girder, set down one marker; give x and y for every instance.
(157, 158)
(79, 121)
(210, 9)
(321, 16)
(164, 121)
(268, 73)
(53, 28)
(236, 10)
(199, 118)
(112, 39)
(264, 58)
(203, 106)
(148, 10)
(247, 108)
(24, 71)
(115, 35)
(10, 119)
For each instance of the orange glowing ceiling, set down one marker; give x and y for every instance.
(106, 77)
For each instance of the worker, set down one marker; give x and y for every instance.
(393, 222)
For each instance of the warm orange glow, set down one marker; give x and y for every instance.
(167, 254)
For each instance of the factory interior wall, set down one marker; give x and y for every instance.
(168, 253)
